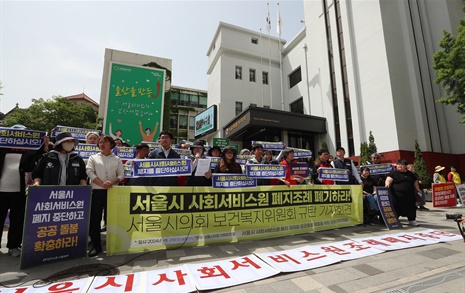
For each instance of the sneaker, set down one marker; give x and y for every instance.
(413, 223)
(423, 208)
(15, 252)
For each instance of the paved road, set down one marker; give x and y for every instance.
(433, 268)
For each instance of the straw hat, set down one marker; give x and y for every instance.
(439, 168)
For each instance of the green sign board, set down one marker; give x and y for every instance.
(236, 146)
(221, 142)
(135, 103)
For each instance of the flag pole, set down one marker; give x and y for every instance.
(268, 26)
(278, 28)
(261, 66)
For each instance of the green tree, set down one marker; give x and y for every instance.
(45, 115)
(364, 153)
(449, 63)
(420, 168)
(324, 145)
(371, 146)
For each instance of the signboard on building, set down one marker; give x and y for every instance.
(205, 122)
(134, 109)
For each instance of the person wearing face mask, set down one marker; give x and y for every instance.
(61, 166)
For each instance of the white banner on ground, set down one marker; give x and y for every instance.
(226, 273)
(240, 270)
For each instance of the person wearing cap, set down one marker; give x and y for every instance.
(438, 176)
(258, 158)
(92, 137)
(105, 170)
(245, 152)
(61, 166)
(340, 162)
(197, 149)
(164, 152)
(228, 162)
(15, 163)
(214, 151)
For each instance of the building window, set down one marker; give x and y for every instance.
(238, 108)
(203, 102)
(191, 122)
(194, 101)
(265, 77)
(182, 121)
(238, 72)
(183, 99)
(255, 41)
(252, 75)
(174, 121)
(295, 77)
(174, 98)
(297, 106)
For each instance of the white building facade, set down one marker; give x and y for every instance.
(363, 65)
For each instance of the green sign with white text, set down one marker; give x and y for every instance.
(135, 103)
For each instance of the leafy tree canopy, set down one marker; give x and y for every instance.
(449, 64)
(45, 115)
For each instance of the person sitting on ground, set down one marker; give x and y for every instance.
(369, 195)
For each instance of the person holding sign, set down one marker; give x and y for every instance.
(15, 162)
(228, 162)
(323, 162)
(198, 150)
(403, 184)
(258, 158)
(288, 157)
(105, 170)
(61, 166)
(343, 163)
(165, 152)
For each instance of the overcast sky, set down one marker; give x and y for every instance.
(52, 48)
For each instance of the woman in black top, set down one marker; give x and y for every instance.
(403, 184)
(228, 162)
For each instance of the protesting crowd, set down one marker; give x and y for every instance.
(58, 163)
